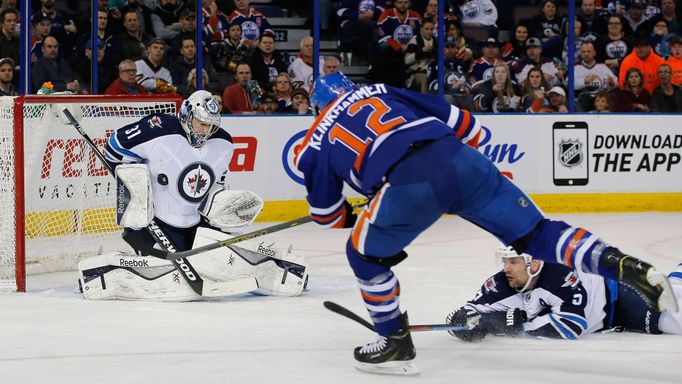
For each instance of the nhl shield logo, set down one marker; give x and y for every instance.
(570, 153)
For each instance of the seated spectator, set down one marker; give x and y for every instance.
(457, 91)
(675, 59)
(144, 14)
(395, 29)
(659, 38)
(553, 74)
(592, 19)
(301, 69)
(431, 12)
(253, 23)
(667, 97)
(108, 54)
(547, 27)
(189, 86)
(166, 19)
(188, 29)
(154, 77)
(266, 61)
(6, 76)
(126, 84)
(358, 25)
(215, 24)
(534, 88)
(637, 23)
(632, 95)
(577, 43)
(282, 90)
(497, 94)
(300, 102)
(480, 14)
(454, 29)
(239, 97)
(52, 68)
(183, 65)
(591, 77)
(9, 43)
(133, 41)
(670, 16)
(41, 27)
(614, 46)
(601, 103)
(419, 54)
(480, 69)
(644, 59)
(515, 48)
(62, 27)
(331, 65)
(268, 105)
(556, 102)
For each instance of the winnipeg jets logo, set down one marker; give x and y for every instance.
(212, 106)
(489, 285)
(571, 280)
(155, 122)
(194, 181)
(570, 153)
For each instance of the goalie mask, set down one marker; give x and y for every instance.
(327, 88)
(199, 117)
(506, 254)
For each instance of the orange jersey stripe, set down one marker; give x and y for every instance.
(569, 249)
(463, 124)
(379, 299)
(363, 219)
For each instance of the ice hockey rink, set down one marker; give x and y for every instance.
(55, 336)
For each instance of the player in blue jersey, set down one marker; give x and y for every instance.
(539, 299)
(415, 157)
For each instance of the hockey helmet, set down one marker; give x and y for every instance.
(199, 107)
(508, 252)
(327, 88)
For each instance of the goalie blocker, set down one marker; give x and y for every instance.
(121, 276)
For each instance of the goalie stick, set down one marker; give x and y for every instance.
(198, 285)
(336, 308)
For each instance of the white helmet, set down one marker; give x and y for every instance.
(201, 106)
(504, 252)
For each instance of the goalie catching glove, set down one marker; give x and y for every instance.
(509, 322)
(230, 209)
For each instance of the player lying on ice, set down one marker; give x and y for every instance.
(415, 157)
(533, 298)
(172, 170)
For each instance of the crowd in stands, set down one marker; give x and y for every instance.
(499, 56)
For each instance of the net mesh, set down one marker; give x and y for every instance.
(69, 194)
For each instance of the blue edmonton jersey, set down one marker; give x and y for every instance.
(361, 135)
(180, 174)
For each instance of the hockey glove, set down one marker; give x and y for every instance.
(351, 217)
(509, 322)
(469, 317)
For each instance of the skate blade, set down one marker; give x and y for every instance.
(667, 301)
(401, 368)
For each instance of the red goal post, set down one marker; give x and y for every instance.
(56, 198)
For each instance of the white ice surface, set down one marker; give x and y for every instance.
(55, 336)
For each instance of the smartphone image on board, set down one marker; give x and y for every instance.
(570, 153)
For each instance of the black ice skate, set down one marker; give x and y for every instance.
(391, 355)
(652, 285)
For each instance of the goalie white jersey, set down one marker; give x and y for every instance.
(181, 175)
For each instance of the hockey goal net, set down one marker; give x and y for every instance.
(56, 198)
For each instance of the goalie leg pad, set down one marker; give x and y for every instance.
(121, 276)
(134, 199)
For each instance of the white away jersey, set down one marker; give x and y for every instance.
(180, 174)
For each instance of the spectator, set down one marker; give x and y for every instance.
(497, 94)
(614, 46)
(632, 95)
(238, 97)
(643, 58)
(107, 53)
(669, 15)
(547, 27)
(660, 37)
(215, 24)
(331, 65)
(637, 23)
(266, 62)
(6, 77)
(253, 23)
(189, 85)
(41, 25)
(667, 97)
(6, 4)
(431, 12)
(419, 55)
(457, 91)
(62, 27)
(301, 69)
(577, 43)
(480, 69)
(183, 64)
(601, 103)
(166, 19)
(556, 102)
(133, 41)
(282, 91)
(593, 20)
(188, 29)
(395, 29)
(126, 84)
(53, 69)
(553, 74)
(300, 102)
(154, 77)
(480, 14)
(591, 77)
(144, 17)
(268, 104)
(9, 43)
(675, 59)
(532, 89)
(358, 25)
(454, 29)
(515, 48)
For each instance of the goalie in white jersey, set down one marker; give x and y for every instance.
(537, 299)
(172, 170)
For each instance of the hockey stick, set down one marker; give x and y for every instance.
(336, 308)
(198, 285)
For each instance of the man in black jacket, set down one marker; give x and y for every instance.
(266, 62)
